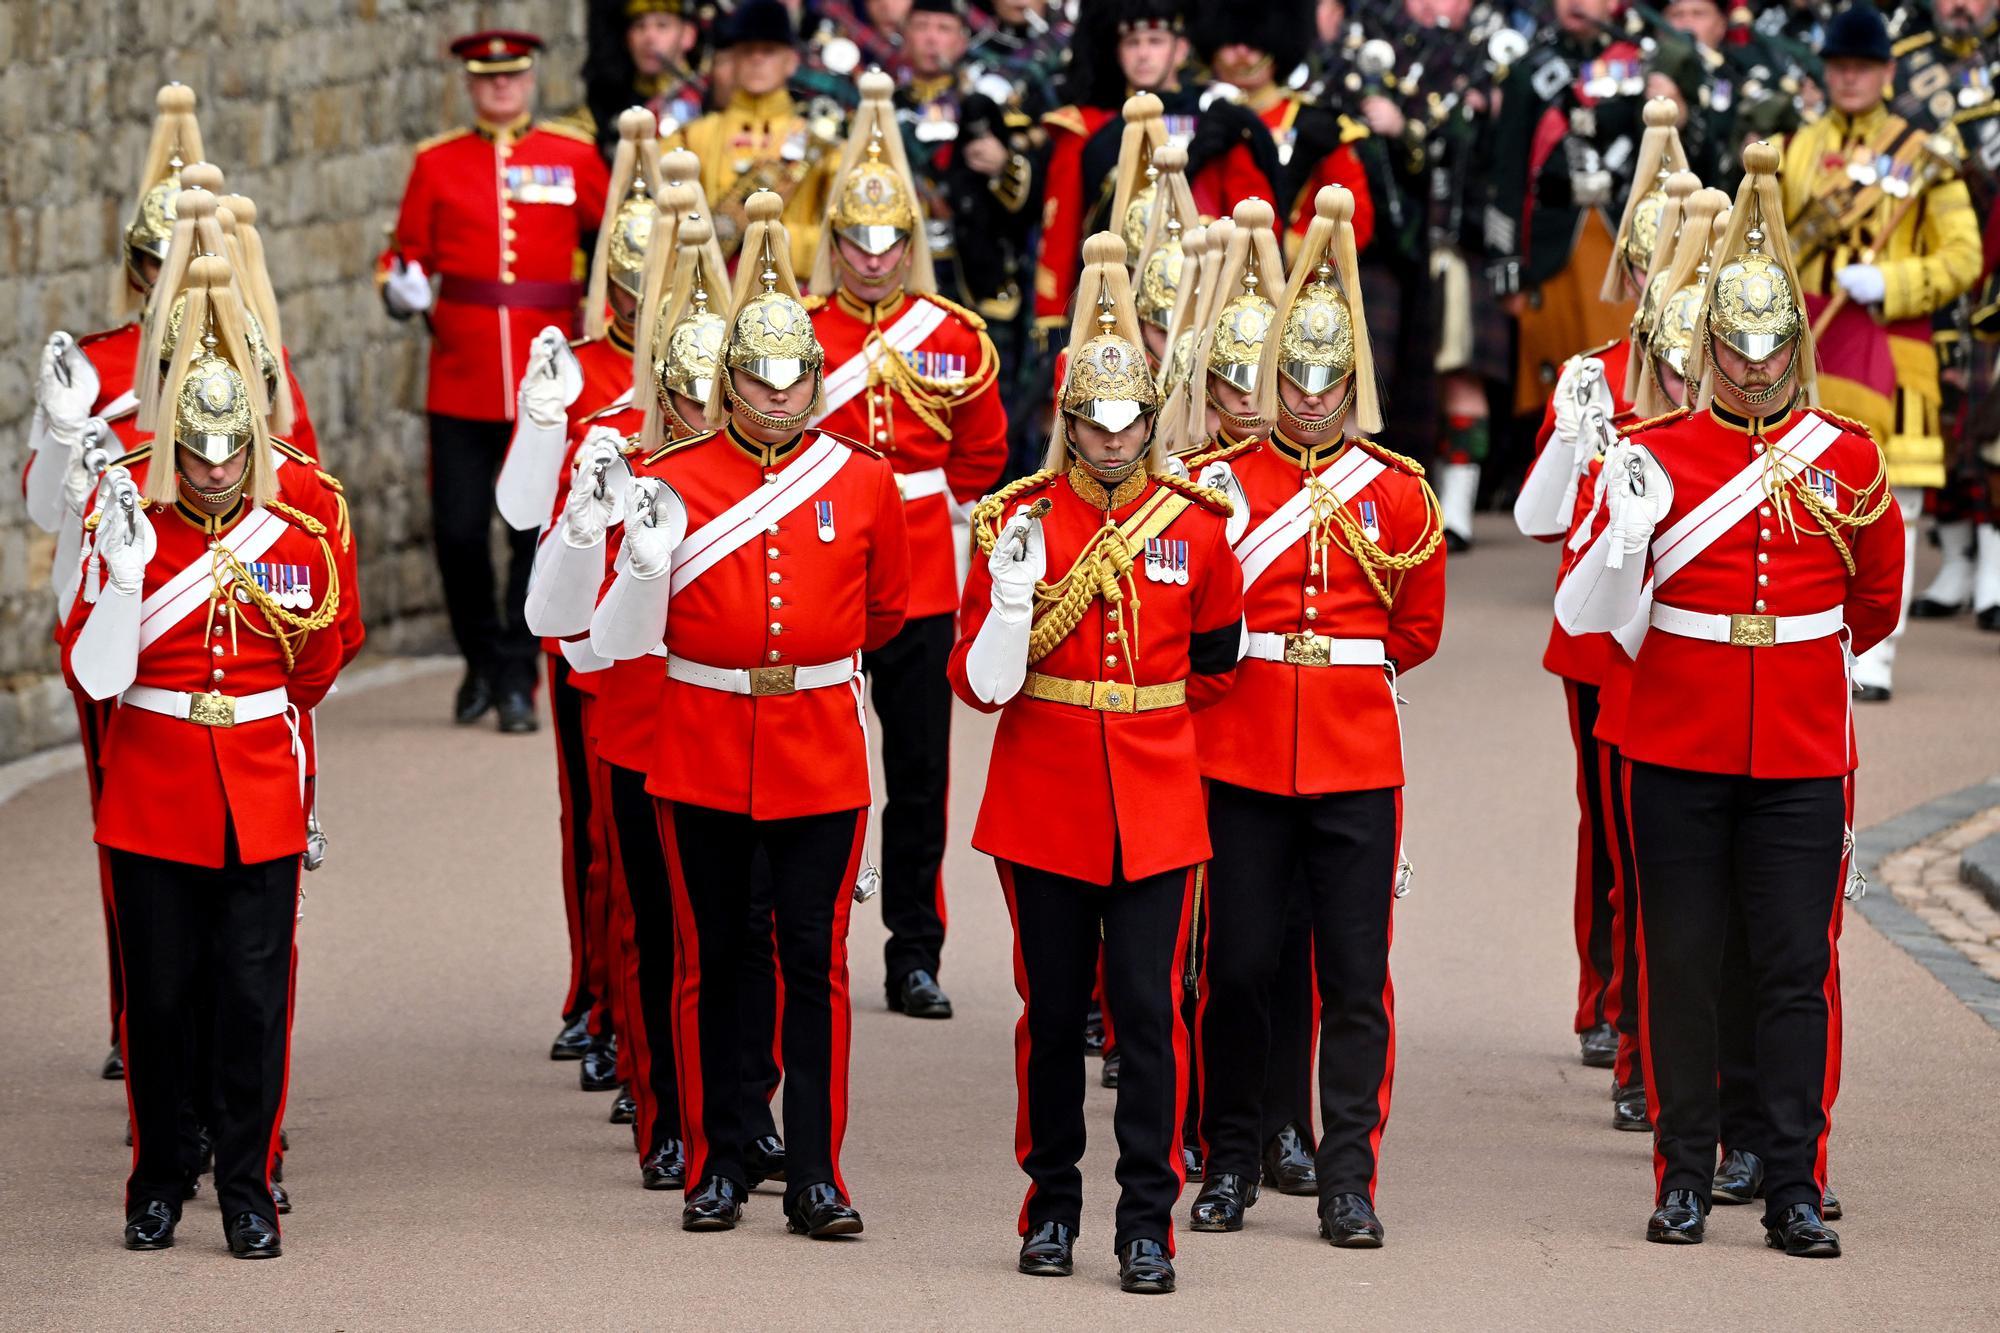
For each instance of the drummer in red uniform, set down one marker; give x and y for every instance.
(1343, 566)
(1095, 673)
(914, 376)
(1747, 548)
(766, 557)
(208, 610)
(495, 211)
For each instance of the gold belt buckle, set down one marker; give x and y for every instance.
(766, 681)
(212, 709)
(1307, 649)
(1751, 631)
(1113, 696)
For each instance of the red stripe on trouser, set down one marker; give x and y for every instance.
(597, 912)
(687, 994)
(1830, 1088)
(1590, 982)
(1388, 1014)
(124, 1051)
(1617, 838)
(1202, 991)
(1023, 1043)
(565, 728)
(1645, 995)
(1177, 1159)
(271, 1149)
(621, 962)
(841, 1034)
(92, 718)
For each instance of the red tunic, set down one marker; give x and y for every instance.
(173, 788)
(1063, 208)
(499, 218)
(960, 361)
(1339, 167)
(1068, 786)
(1773, 712)
(1582, 657)
(794, 597)
(1302, 730)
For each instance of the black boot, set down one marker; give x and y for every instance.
(573, 1040)
(600, 1066)
(1144, 1268)
(1348, 1222)
(1679, 1220)
(821, 1213)
(1222, 1202)
(1597, 1047)
(1049, 1250)
(150, 1227)
(1800, 1232)
(1739, 1179)
(665, 1168)
(1288, 1164)
(1628, 1108)
(474, 701)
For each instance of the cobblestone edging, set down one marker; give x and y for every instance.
(1918, 899)
(1980, 867)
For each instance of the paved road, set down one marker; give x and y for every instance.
(448, 1175)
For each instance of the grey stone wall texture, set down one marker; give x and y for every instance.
(311, 107)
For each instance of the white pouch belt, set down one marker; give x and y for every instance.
(1747, 631)
(209, 710)
(762, 682)
(1315, 650)
(918, 485)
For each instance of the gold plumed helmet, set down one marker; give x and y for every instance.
(1161, 279)
(873, 207)
(212, 415)
(631, 232)
(253, 333)
(1164, 274)
(1108, 383)
(1243, 322)
(1322, 337)
(874, 202)
(210, 406)
(176, 140)
(1660, 155)
(1316, 345)
(1672, 339)
(630, 212)
(1755, 310)
(1754, 304)
(688, 336)
(771, 336)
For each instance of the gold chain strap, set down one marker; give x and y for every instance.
(1383, 570)
(1828, 518)
(282, 619)
(1103, 569)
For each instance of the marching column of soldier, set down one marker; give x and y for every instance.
(891, 387)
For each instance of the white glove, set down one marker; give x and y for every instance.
(655, 523)
(87, 462)
(597, 486)
(1221, 477)
(1637, 496)
(1580, 387)
(552, 381)
(1863, 283)
(1018, 560)
(407, 289)
(125, 541)
(67, 388)
(1176, 468)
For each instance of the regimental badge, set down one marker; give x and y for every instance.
(290, 586)
(1166, 560)
(1820, 482)
(1369, 527)
(824, 510)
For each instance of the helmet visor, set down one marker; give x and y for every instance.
(1112, 414)
(874, 239)
(779, 372)
(1310, 376)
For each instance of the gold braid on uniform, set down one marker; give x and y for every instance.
(1200, 457)
(1103, 568)
(931, 399)
(1207, 496)
(990, 514)
(287, 626)
(1333, 527)
(346, 526)
(1870, 502)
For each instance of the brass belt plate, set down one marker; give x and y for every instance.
(1751, 631)
(212, 710)
(765, 681)
(1307, 649)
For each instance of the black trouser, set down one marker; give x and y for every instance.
(492, 635)
(1740, 1110)
(1594, 875)
(177, 924)
(649, 1040)
(761, 990)
(913, 700)
(1771, 848)
(1288, 1070)
(573, 814)
(709, 859)
(1621, 1002)
(1338, 852)
(1142, 925)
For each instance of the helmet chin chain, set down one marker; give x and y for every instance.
(1245, 427)
(1314, 425)
(226, 496)
(763, 420)
(1752, 397)
(1109, 478)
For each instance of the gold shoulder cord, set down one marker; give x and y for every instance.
(332, 483)
(1333, 527)
(930, 398)
(1870, 502)
(990, 514)
(287, 627)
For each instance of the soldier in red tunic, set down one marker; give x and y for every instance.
(914, 376)
(766, 557)
(1739, 742)
(1343, 566)
(495, 211)
(1095, 674)
(208, 610)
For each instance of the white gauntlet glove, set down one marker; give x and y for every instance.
(407, 289)
(655, 523)
(1637, 494)
(66, 389)
(87, 463)
(1221, 477)
(997, 662)
(125, 541)
(1176, 467)
(597, 486)
(552, 381)
(1863, 283)
(631, 621)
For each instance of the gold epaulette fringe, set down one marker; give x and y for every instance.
(1845, 423)
(1202, 458)
(1391, 457)
(989, 515)
(1206, 496)
(300, 517)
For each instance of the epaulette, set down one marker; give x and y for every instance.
(1402, 462)
(610, 409)
(291, 451)
(971, 317)
(1202, 458)
(1206, 496)
(1663, 419)
(328, 480)
(858, 447)
(1066, 118)
(1352, 130)
(139, 455)
(1601, 348)
(568, 129)
(1845, 423)
(1911, 43)
(989, 514)
(438, 140)
(812, 303)
(675, 446)
(298, 517)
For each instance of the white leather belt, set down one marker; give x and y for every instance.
(917, 485)
(761, 681)
(1310, 649)
(209, 710)
(1747, 631)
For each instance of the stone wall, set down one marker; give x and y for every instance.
(311, 108)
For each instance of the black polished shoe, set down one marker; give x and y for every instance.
(1348, 1221)
(1800, 1232)
(1740, 1178)
(764, 1160)
(1597, 1047)
(1871, 694)
(1108, 1076)
(1628, 1108)
(251, 1237)
(919, 996)
(665, 1168)
(1093, 1031)
(1829, 1206)
(821, 1213)
(573, 1040)
(1222, 1202)
(1144, 1268)
(600, 1066)
(151, 1227)
(1989, 619)
(113, 1067)
(1923, 608)
(474, 701)
(1192, 1167)
(1049, 1250)
(716, 1206)
(1455, 544)
(280, 1199)
(1288, 1164)
(517, 713)
(1678, 1220)
(624, 1108)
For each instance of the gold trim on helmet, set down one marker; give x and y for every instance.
(1644, 236)
(1754, 310)
(253, 333)
(1240, 331)
(1109, 383)
(1132, 227)
(151, 230)
(1161, 279)
(212, 416)
(685, 356)
(1674, 325)
(631, 232)
(873, 207)
(1316, 344)
(772, 340)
